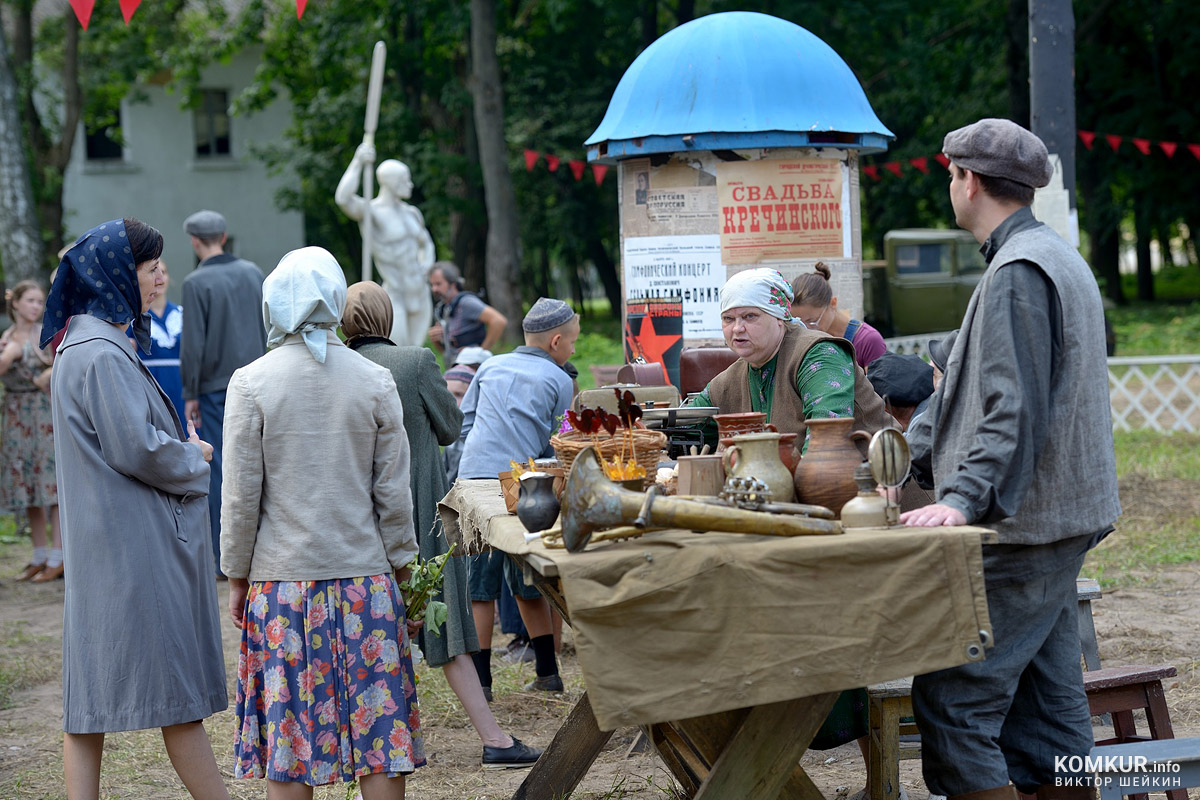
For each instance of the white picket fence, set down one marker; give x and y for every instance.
(1159, 393)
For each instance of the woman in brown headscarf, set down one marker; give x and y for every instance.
(432, 418)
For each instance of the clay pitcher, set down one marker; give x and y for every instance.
(825, 474)
(756, 455)
(537, 505)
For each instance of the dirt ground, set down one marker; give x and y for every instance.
(1154, 621)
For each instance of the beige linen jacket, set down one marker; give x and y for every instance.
(316, 468)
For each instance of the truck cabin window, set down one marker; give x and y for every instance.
(923, 259)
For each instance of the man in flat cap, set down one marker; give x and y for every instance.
(510, 412)
(1021, 442)
(222, 331)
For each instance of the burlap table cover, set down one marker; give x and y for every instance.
(676, 624)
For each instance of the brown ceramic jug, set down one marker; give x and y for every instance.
(825, 474)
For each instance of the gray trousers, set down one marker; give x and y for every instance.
(212, 420)
(1008, 717)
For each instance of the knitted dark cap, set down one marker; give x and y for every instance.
(547, 313)
(905, 380)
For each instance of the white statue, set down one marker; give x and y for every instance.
(401, 246)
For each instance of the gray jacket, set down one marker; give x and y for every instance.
(222, 323)
(1022, 438)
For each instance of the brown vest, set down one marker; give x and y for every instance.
(730, 391)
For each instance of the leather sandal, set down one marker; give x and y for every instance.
(48, 574)
(30, 571)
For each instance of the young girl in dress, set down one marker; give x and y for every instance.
(27, 480)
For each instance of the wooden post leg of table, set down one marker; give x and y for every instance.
(571, 753)
(762, 760)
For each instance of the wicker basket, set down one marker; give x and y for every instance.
(649, 445)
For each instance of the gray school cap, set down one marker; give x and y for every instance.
(1000, 148)
(204, 223)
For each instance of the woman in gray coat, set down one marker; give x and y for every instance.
(431, 417)
(141, 637)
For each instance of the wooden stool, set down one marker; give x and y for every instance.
(891, 740)
(1170, 764)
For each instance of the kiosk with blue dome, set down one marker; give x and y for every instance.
(737, 138)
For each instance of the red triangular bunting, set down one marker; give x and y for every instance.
(551, 162)
(83, 11)
(1087, 137)
(893, 167)
(300, 6)
(943, 160)
(871, 171)
(531, 157)
(128, 7)
(1168, 148)
(1143, 145)
(598, 172)
(1195, 148)
(1113, 140)
(921, 163)
(577, 168)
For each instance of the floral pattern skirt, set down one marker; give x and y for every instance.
(326, 688)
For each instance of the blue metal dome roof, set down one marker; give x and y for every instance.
(736, 79)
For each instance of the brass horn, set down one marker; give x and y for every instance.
(591, 502)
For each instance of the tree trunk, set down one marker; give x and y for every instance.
(1145, 269)
(649, 22)
(503, 258)
(21, 244)
(607, 270)
(1017, 33)
(468, 230)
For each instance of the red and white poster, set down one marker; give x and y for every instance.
(773, 210)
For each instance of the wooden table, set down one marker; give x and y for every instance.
(763, 714)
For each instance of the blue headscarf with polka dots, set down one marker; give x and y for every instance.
(98, 276)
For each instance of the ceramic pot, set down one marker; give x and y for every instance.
(701, 475)
(537, 505)
(756, 455)
(734, 424)
(825, 475)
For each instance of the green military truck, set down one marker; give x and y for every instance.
(924, 283)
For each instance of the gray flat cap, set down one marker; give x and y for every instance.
(545, 314)
(204, 223)
(1000, 148)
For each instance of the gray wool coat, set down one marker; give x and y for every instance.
(431, 418)
(141, 624)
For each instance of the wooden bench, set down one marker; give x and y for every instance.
(1118, 691)
(1169, 764)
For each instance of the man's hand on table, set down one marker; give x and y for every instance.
(933, 516)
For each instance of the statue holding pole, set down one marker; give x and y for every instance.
(394, 233)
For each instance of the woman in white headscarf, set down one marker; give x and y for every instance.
(785, 370)
(316, 521)
(792, 374)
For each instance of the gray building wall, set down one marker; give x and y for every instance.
(161, 180)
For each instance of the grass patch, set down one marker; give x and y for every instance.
(23, 661)
(1160, 496)
(1155, 329)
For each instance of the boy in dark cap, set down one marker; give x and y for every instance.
(1022, 443)
(509, 413)
(904, 382)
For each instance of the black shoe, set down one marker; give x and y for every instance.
(517, 756)
(487, 693)
(546, 683)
